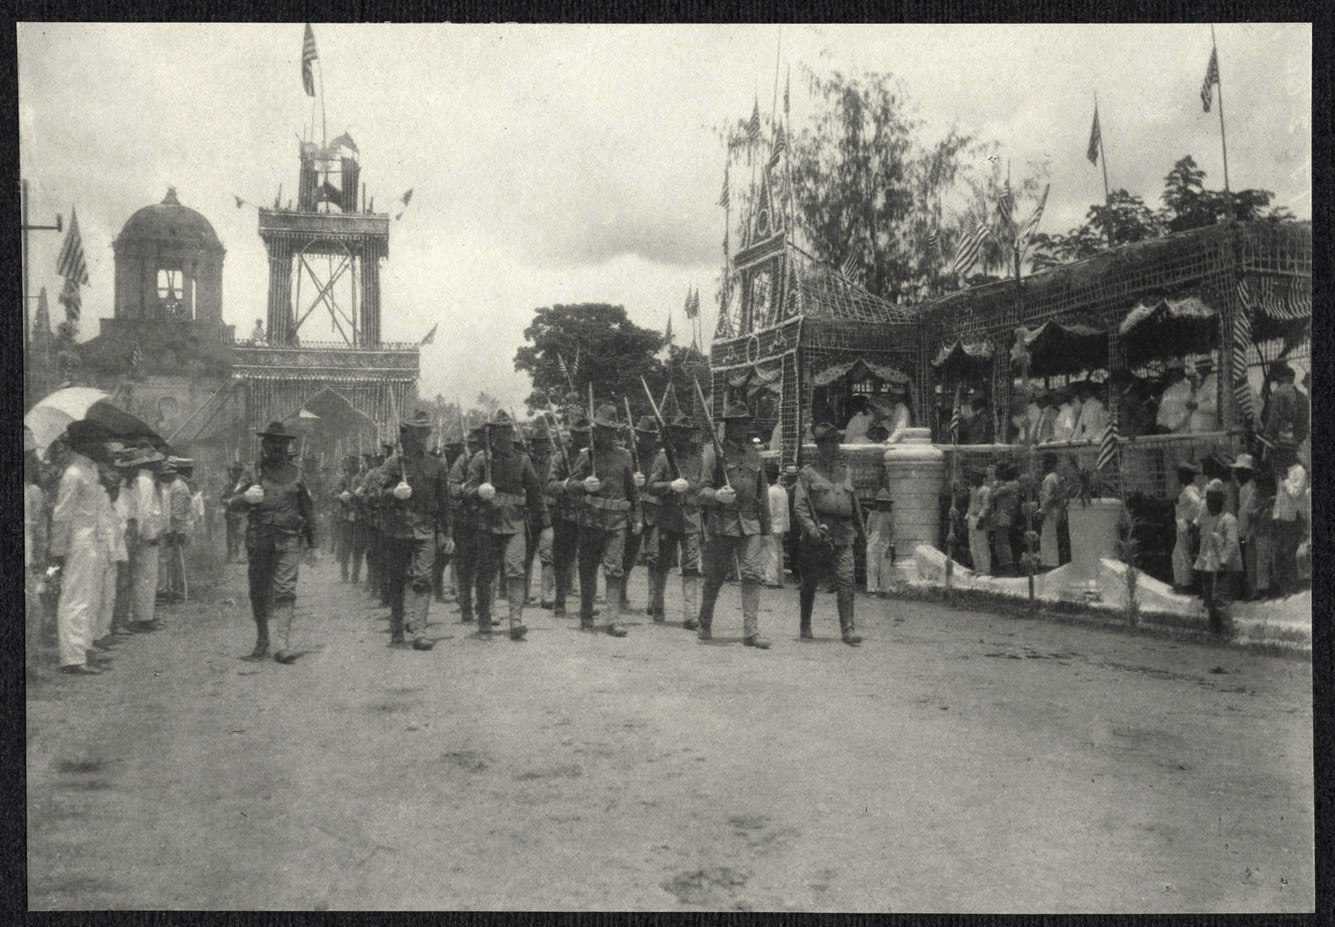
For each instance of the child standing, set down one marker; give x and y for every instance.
(881, 544)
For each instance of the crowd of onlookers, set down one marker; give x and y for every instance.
(105, 532)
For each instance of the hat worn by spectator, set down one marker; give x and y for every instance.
(419, 420)
(824, 431)
(1175, 363)
(790, 470)
(166, 470)
(883, 495)
(580, 424)
(1243, 462)
(606, 416)
(1214, 488)
(276, 430)
(1186, 466)
(647, 425)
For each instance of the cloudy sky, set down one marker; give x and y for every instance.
(558, 164)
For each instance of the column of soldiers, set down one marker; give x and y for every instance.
(607, 498)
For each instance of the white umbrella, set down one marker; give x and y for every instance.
(52, 415)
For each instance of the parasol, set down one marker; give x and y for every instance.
(1061, 347)
(1169, 328)
(52, 415)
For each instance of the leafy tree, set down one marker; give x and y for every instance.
(1123, 219)
(599, 345)
(1188, 205)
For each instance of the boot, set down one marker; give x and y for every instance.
(690, 598)
(283, 612)
(261, 639)
(616, 586)
(849, 635)
(806, 600)
(515, 588)
(419, 606)
(706, 618)
(751, 615)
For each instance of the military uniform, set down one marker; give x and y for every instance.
(568, 504)
(539, 447)
(344, 515)
(613, 511)
(829, 517)
(678, 523)
(453, 451)
(413, 529)
(275, 527)
(643, 546)
(736, 528)
(238, 479)
(504, 518)
(465, 529)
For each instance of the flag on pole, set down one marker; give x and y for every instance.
(724, 199)
(239, 201)
(136, 355)
(407, 197)
(430, 336)
(565, 371)
(1031, 224)
(1211, 78)
(308, 54)
(692, 304)
(1107, 444)
(934, 241)
(970, 248)
(1095, 138)
(777, 149)
(70, 264)
(753, 125)
(1006, 210)
(346, 140)
(787, 82)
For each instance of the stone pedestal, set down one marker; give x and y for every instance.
(1094, 533)
(915, 471)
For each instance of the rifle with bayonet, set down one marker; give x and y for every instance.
(668, 450)
(713, 434)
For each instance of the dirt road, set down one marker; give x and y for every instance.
(957, 761)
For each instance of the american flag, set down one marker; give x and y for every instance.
(1031, 224)
(136, 355)
(1211, 78)
(1006, 209)
(724, 199)
(956, 416)
(753, 125)
(308, 55)
(776, 152)
(692, 307)
(970, 248)
(1107, 444)
(1095, 138)
(71, 264)
(934, 240)
(561, 362)
(787, 82)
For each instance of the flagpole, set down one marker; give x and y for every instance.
(1107, 197)
(324, 133)
(1219, 82)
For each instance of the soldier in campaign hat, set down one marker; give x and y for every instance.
(509, 501)
(830, 519)
(645, 544)
(606, 474)
(735, 495)
(414, 493)
(465, 518)
(280, 514)
(568, 504)
(678, 520)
